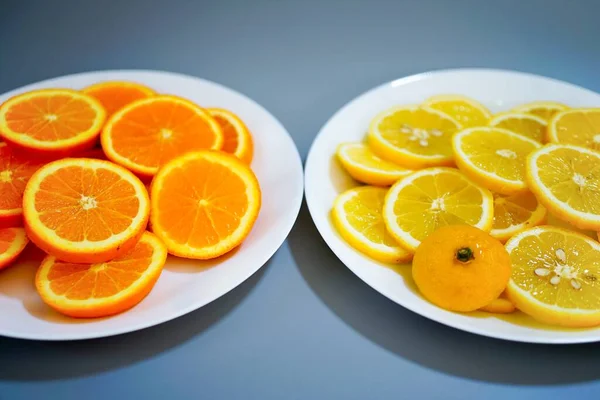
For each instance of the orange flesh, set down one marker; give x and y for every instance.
(84, 281)
(51, 118)
(230, 134)
(15, 171)
(153, 134)
(86, 204)
(7, 236)
(222, 194)
(114, 97)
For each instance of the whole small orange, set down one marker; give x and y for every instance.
(461, 268)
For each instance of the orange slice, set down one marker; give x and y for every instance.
(147, 133)
(204, 204)
(84, 210)
(15, 171)
(578, 126)
(52, 121)
(115, 95)
(102, 289)
(12, 243)
(237, 139)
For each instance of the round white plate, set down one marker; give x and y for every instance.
(325, 179)
(184, 285)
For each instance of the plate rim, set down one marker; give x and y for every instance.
(324, 230)
(291, 216)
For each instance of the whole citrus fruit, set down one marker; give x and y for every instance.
(461, 268)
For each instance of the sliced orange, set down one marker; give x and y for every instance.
(15, 171)
(542, 109)
(204, 204)
(147, 133)
(237, 139)
(515, 213)
(115, 95)
(52, 121)
(84, 210)
(12, 243)
(528, 125)
(578, 126)
(102, 289)
(464, 110)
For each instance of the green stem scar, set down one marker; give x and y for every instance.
(464, 254)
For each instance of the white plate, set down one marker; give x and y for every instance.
(325, 179)
(184, 285)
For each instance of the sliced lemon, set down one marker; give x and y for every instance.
(465, 110)
(426, 200)
(493, 157)
(566, 180)
(542, 109)
(578, 126)
(357, 217)
(525, 124)
(515, 213)
(365, 166)
(413, 137)
(555, 276)
(499, 306)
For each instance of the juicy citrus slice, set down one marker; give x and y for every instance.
(365, 166)
(515, 213)
(525, 124)
(102, 289)
(465, 110)
(493, 157)
(84, 210)
(357, 216)
(426, 200)
(147, 133)
(565, 179)
(15, 171)
(499, 306)
(237, 139)
(204, 204)
(580, 127)
(413, 137)
(556, 276)
(52, 121)
(12, 243)
(543, 109)
(461, 268)
(116, 94)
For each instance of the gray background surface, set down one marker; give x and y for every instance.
(304, 327)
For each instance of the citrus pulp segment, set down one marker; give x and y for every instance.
(85, 210)
(12, 243)
(424, 201)
(147, 133)
(204, 204)
(578, 126)
(555, 276)
(365, 166)
(357, 216)
(116, 94)
(493, 157)
(52, 121)
(525, 124)
(413, 137)
(102, 289)
(466, 111)
(237, 139)
(515, 213)
(566, 180)
(543, 109)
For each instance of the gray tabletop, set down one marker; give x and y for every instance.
(304, 327)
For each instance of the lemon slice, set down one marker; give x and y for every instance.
(566, 180)
(357, 217)
(426, 200)
(499, 306)
(465, 110)
(555, 276)
(493, 157)
(413, 137)
(515, 213)
(364, 166)
(579, 126)
(543, 109)
(525, 124)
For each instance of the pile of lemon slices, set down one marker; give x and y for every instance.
(449, 161)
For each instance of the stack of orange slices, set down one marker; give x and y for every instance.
(450, 162)
(85, 173)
